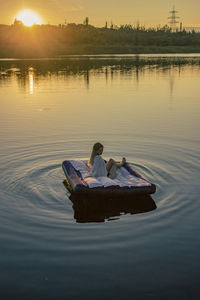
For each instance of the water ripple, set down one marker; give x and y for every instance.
(36, 182)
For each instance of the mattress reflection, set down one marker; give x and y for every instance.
(100, 209)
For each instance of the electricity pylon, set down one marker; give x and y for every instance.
(173, 19)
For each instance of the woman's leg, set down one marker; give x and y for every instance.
(112, 167)
(109, 164)
(113, 171)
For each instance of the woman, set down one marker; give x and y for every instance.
(99, 167)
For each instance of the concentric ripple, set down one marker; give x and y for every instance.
(148, 113)
(35, 178)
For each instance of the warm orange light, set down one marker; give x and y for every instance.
(28, 17)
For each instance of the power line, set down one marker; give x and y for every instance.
(173, 19)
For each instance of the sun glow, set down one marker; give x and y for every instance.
(28, 17)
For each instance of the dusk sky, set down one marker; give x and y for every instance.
(148, 13)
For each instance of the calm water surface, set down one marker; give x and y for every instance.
(144, 108)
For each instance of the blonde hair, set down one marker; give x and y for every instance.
(95, 149)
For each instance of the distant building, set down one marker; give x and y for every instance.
(190, 29)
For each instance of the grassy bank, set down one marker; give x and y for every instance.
(127, 49)
(92, 50)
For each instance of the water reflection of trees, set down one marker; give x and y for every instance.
(29, 72)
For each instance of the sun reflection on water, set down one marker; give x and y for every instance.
(31, 81)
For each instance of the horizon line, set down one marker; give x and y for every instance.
(111, 23)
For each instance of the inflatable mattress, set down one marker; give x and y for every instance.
(126, 182)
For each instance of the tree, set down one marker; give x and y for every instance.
(17, 22)
(86, 21)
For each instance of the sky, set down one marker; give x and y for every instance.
(147, 12)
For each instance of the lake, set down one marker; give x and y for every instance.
(145, 108)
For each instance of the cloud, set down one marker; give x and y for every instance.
(75, 8)
(64, 5)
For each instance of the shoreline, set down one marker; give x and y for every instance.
(89, 50)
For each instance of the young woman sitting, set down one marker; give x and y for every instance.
(99, 167)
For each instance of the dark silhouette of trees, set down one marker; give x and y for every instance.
(17, 23)
(18, 40)
(86, 21)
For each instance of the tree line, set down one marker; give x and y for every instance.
(18, 40)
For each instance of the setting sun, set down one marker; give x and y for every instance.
(28, 17)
